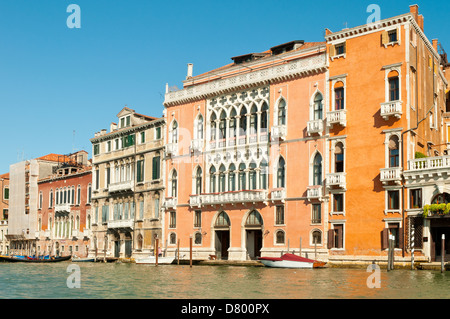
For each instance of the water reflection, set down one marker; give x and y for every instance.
(124, 281)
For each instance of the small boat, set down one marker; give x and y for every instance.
(27, 259)
(83, 260)
(291, 261)
(152, 260)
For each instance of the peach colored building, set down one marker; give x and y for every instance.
(245, 156)
(311, 146)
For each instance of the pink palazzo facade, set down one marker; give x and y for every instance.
(239, 141)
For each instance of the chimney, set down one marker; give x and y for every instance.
(113, 127)
(190, 70)
(167, 88)
(414, 9)
(435, 44)
(103, 132)
(328, 31)
(420, 21)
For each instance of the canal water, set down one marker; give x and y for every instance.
(131, 281)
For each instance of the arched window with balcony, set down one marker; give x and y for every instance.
(281, 116)
(394, 154)
(339, 158)
(199, 127)
(198, 181)
(174, 132)
(317, 170)
(318, 107)
(174, 184)
(394, 86)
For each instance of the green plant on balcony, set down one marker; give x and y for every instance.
(436, 209)
(419, 155)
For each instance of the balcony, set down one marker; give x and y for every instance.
(195, 201)
(245, 196)
(279, 132)
(315, 127)
(170, 202)
(337, 117)
(431, 167)
(171, 149)
(87, 233)
(77, 234)
(336, 179)
(393, 108)
(197, 145)
(392, 174)
(121, 224)
(278, 195)
(60, 208)
(314, 192)
(125, 186)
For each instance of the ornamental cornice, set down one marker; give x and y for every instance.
(287, 71)
(368, 28)
(127, 131)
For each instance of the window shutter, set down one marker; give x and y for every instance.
(385, 238)
(330, 238)
(156, 167)
(384, 37)
(340, 237)
(332, 51)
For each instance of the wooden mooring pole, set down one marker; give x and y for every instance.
(412, 246)
(443, 253)
(156, 251)
(390, 264)
(178, 252)
(190, 251)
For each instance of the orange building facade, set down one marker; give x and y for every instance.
(305, 147)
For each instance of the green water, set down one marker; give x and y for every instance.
(131, 281)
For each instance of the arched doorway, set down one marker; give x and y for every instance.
(440, 226)
(253, 234)
(222, 235)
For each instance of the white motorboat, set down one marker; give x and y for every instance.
(291, 261)
(152, 260)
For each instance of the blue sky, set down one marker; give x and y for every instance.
(58, 86)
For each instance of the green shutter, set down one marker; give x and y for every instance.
(140, 171)
(156, 167)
